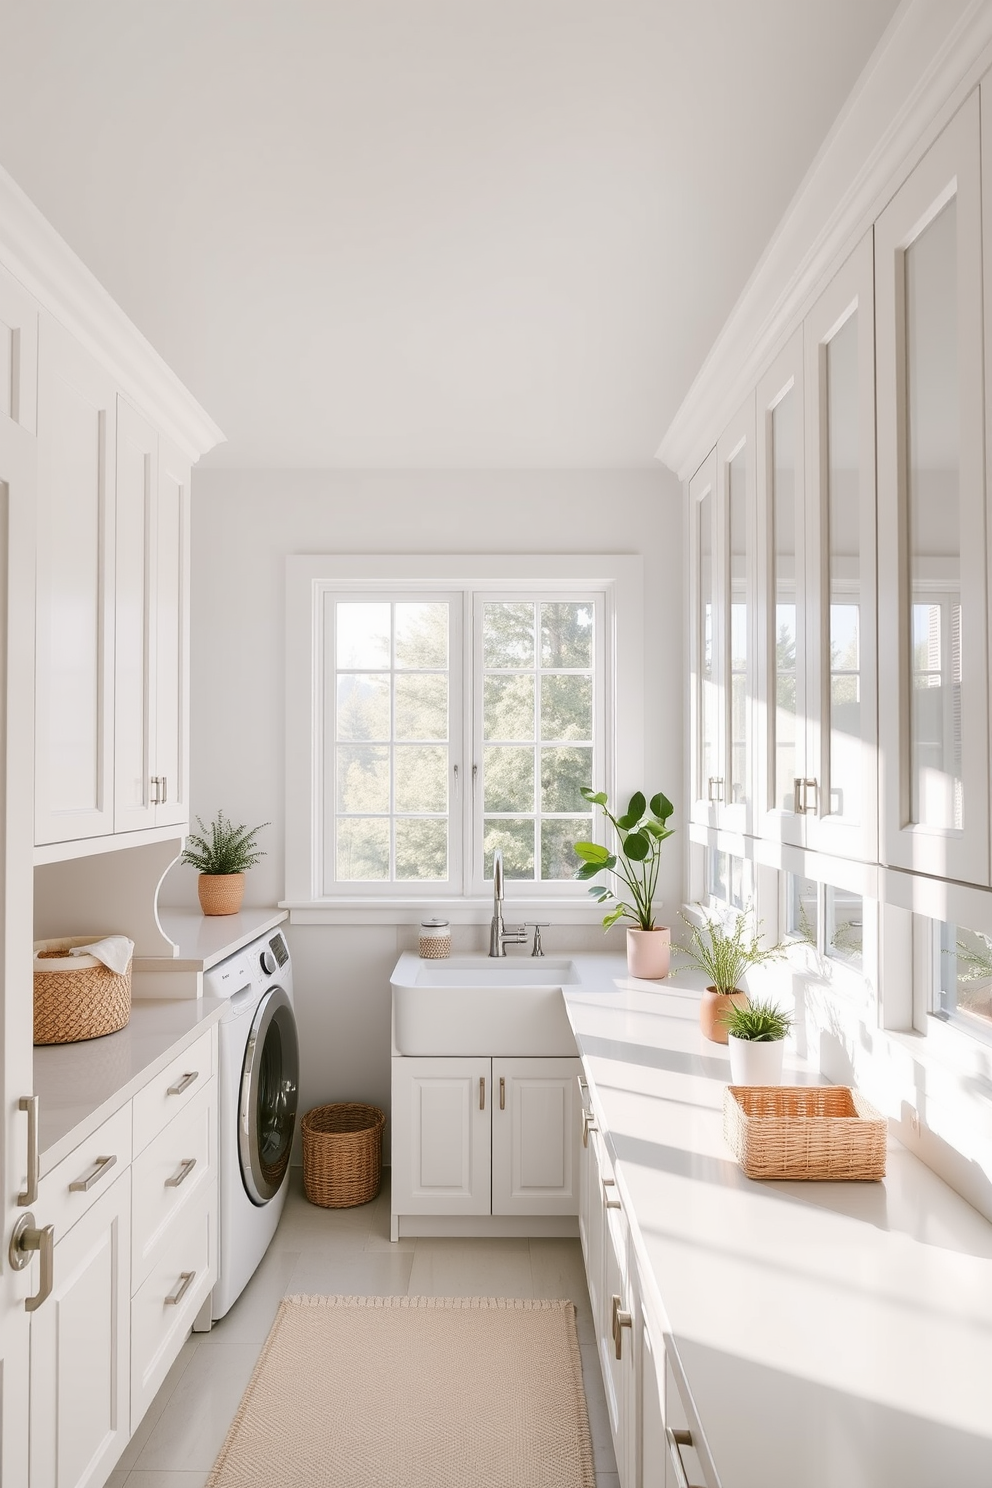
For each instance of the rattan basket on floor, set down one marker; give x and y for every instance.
(76, 997)
(342, 1154)
(827, 1133)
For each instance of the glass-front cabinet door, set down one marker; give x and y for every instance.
(735, 485)
(786, 787)
(931, 561)
(706, 651)
(841, 730)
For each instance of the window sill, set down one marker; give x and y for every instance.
(459, 911)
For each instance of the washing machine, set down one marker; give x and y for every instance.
(258, 1082)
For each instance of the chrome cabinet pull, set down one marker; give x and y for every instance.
(714, 788)
(676, 1440)
(185, 1282)
(814, 787)
(184, 1083)
(29, 1103)
(482, 1092)
(100, 1166)
(502, 1093)
(621, 1319)
(798, 801)
(165, 790)
(607, 1201)
(588, 1125)
(24, 1240)
(185, 1168)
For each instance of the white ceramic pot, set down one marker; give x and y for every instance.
(649, 953)
(754, 1062)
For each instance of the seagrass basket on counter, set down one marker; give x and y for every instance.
(342, 1154)
(825, 1133)
(76, 997)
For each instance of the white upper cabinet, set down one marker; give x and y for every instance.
(706, 770)
(841, 680)
(152, 626)
(77, 416)
(933, 735)
(784, 779)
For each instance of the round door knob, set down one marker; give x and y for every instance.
(267, 962)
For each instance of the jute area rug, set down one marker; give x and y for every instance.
(413, 1392)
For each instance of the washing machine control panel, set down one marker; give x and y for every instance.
(267, 962)
(229, 977)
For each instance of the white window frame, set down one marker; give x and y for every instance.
(618, 578)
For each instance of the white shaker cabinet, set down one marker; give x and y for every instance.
(152, 627)
(932, 571)
(80, 1385)
(535, 1167)
(74, 705)
(707, 770)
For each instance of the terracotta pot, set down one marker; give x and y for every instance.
(649, 952)
(714, 1008)
(220, 893)
(754, 1062)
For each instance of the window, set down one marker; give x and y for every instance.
(725, 879)
(963, 979)
(438, 709)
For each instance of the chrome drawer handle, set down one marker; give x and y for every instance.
(25, 1239)
(185, 1168)
(100, 1166)
(29, 1103)
(185, 1282)
(676, 1440)
(184, 1083)
(588, 1125)
(621, 1320)
(607, 1201)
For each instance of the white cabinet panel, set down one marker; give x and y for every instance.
(441, 1136)
(535, 1152)
(18, 354)
(77, 415)
(137, 478)
(170, 1174)
(933, 694)
(707, 771)
(171, 637)
(80, 1419)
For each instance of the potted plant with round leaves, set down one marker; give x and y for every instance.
(724, 955)
(640, 831)
(222, 854)
(756, 1034)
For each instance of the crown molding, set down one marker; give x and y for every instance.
(44, 264)
(930, 57)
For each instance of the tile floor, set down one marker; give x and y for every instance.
(342, 1251)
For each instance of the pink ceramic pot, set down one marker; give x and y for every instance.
(649, 952)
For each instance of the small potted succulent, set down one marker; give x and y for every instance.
(724, 955)
(756, 1034)
(222, 854)
(640, 831)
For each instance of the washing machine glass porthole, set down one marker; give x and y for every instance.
(268, 1100)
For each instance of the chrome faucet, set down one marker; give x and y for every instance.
(499, 936)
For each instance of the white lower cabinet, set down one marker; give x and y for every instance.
(80, 1417)
(475, 1136)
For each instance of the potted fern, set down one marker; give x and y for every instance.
(724, 955)
(222, 854)
(640, 831)
(756, 1034)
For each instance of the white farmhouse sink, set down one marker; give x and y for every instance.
(481, 1005)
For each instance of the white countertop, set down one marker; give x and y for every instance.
(80, 1085)
(203, 940)
(832, 1335)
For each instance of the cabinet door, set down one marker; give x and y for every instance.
(841, 814)
(616, 1345)
(171, 638)
(535, 1150)
(77, 417)
(735, 471)
(441, 1136)
(80, 1375)
(707, 770)
(137, 480)
(781, 740)
(591, 1216)
(932, 615)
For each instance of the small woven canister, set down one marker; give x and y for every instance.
(76, 997)
(435, 940)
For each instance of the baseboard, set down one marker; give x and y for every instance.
(481, 1226)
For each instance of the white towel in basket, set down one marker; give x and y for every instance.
(114, 951)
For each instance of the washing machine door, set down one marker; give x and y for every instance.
(269, 1092)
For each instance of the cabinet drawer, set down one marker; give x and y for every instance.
(171, 1089)
(70, 1189)
(169, 1176)
(163, 1309)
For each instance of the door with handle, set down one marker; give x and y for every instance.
(18, 1113)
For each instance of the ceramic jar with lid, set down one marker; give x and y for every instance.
(435, 940)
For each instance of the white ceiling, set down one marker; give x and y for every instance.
(426, 233)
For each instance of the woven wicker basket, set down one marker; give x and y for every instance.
(342, 1154)
(825, 1133)
(76, 997)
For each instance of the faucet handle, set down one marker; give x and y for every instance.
(537, 926)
